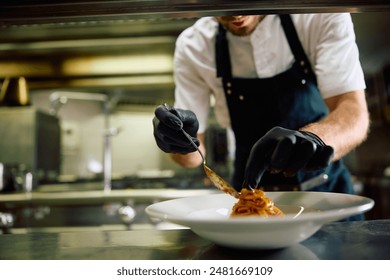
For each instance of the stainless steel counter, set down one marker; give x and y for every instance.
(367, 240)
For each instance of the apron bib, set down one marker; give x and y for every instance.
(290, 99)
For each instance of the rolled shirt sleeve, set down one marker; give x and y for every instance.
(336, 56)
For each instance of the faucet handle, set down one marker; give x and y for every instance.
(6, 221)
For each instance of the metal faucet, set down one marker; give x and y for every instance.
(6, 222)
(107, 157)
(58, 99)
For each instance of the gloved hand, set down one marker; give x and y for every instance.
(167, 125)
(287, 151)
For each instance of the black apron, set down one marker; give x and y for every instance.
(290, 99)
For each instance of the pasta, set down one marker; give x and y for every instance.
(254, 203)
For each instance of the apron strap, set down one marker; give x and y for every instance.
(224, 68)
(295, 45)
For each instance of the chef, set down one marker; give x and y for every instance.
(290, 87)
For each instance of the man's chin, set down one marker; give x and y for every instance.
(241, 31)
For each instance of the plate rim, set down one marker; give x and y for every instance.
(319, 217)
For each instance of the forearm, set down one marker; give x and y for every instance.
(191, 160)
(347, 124)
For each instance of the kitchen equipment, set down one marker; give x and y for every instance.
(11, 177)
(30, 138)
(6, 180)
(305, 212)
(217, 180)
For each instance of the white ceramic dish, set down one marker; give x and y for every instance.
(209, 217)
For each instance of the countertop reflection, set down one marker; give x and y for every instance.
(340, 240)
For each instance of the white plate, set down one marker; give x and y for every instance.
(209, 217)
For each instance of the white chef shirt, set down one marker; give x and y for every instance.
(328, 40)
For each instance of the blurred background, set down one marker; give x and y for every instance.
(77, 100)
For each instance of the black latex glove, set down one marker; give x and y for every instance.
(167, 125)
(287, 151)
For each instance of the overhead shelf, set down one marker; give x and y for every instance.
(19, 12)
